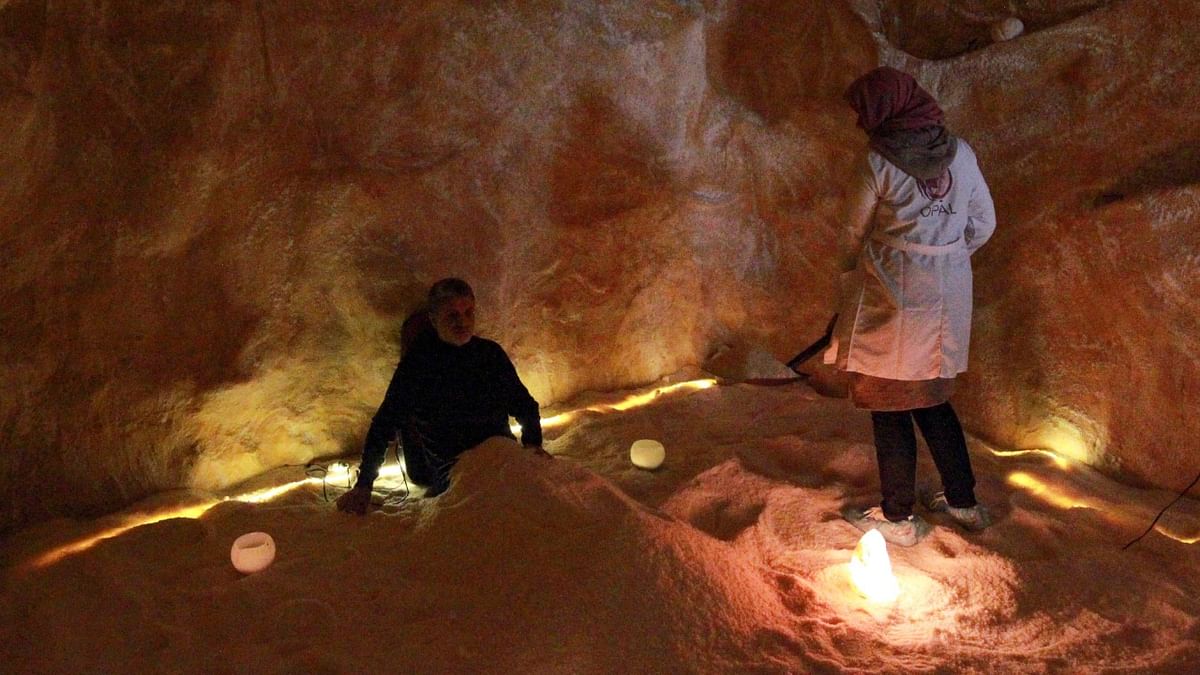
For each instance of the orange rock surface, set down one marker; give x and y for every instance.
(214, 216)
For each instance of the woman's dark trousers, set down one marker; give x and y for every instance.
(896, 452)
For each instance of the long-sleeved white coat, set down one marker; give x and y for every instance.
(906, 297)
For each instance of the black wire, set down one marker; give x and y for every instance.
(312, 471)
(316, 469)
(407, 490)
(404, 477)
(1160, 513)
(403, 474)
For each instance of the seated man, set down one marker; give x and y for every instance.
(452, 391)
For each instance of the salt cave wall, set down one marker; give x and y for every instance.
(1086, 336)
(215, 215)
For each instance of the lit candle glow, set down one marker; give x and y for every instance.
(871, 569)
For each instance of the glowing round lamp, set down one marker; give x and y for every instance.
(252, 552)
(647, 454)
(1007, 29)
(871, 569)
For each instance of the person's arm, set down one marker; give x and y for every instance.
(860, 212)
(981, 214)
(385, 423)
(520, 403)
(383, 428)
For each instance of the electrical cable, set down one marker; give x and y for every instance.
(315, 470)
(1160, 513)
(318, 470)
(403, 474)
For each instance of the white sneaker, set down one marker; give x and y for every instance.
(905, 532)
(972, 519)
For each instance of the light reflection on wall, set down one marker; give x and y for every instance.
(1114, 512)
(1177, 536)
(54, 555)
(1048, 493)
(1075, 439)
(1064, 444)
(1068, 446)
(627, 403)
(337, 473)
(1059, 461)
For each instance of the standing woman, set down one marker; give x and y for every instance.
(919, 209)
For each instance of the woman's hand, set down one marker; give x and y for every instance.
(355, 501)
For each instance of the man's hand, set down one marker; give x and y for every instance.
(355, 501)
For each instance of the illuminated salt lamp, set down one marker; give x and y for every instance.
(871, 570)
(252, 552)
(647, 454)
(1007, 29)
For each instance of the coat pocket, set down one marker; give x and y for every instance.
(922, 282)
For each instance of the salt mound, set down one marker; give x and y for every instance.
(559, 537)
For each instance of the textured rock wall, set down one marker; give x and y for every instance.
(214, 215)
(1086, 339)
(933, 29)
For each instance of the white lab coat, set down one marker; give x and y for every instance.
(906, 304)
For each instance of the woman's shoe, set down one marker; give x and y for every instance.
(972, 519)
(905, 532)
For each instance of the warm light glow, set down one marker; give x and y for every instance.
(1062, 438)
(1047, 492)
(391, 471)
(647, 453)
(871, 569)
(557, 420)
(256, 497)
(339, 471)
(637, 400)
(547, 422)
(1177, 536)
(267, 494)
(627, 403)
(61, 552)
(1059, 461)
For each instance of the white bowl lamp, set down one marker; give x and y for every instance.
(252, 552)
(647, 454)
(1007, 29)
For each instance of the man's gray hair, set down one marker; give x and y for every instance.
(447, 289)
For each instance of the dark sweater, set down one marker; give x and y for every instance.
(456, 397)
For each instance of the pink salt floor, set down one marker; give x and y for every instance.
(729, 558)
